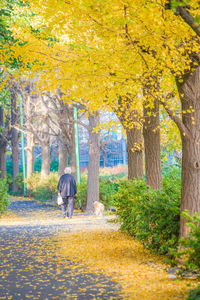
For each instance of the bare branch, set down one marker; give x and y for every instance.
(183, 130)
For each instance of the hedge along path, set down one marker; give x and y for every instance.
(98, 246)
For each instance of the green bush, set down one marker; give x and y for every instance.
(19, 181)
(82, 192)
(107, 190)
(194, 294)
(189, 251)
(43, 189)
(19, 184)
(153, 217)
(9, 181)
(126, 199)
(158, 221)
(3, 195)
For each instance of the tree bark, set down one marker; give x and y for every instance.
(3, 160)
(189, 91)
(93, 166)
(45, 169)
(73, 154)
(30, 136)
(3, 146)
(30, 154)
(14, 140)
(63, 158)
(45, 140)
(151, 133)
(135, 153)
(134, 138)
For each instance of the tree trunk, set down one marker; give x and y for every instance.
(30, 154)
(3, 146)
(93, 167)
(14, 140)
(151, 133)
(30, 136)
(63, 158)
(3, 160)
(73, 155)
(45, 139)
(135, 153)
(189, 92)
(134, 142)
(45, 169)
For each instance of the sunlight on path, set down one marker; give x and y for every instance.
(27, 212)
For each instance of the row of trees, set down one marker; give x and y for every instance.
(48, 121)
(131, 57)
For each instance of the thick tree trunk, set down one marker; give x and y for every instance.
(45, 138)
(63, 158)
(3, 160)
(30, 136)
(15, 156)
(14, 140)
(151, 133)
(3, 146)
(30, 154)
(93, 167)
(135, 153)
(134, 143)
(73, 155)
(189, 92)
(45, 169)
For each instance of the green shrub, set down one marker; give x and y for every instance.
(151, 216)
(82, 192)
(43, 189)
(3, 195)
(126, 199)
(194, 294)
(107, 190)
(158, 221)
(9, 181)
(189, 251)
(19, 181)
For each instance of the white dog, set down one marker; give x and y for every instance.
(98, 208)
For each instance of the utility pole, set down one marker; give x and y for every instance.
(22, 141)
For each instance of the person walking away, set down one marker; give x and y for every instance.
(67, 190)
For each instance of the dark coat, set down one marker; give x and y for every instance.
(67, 186)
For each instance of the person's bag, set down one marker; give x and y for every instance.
(59, 200)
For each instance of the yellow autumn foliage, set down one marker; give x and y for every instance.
(140, 273)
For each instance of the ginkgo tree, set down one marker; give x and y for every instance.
(102, 50)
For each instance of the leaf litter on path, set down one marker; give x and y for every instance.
(44, 256)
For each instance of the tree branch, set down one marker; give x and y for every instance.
(183, 130)
(188, 18)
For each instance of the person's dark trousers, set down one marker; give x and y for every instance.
(64, 206)
(68, 203)
(70, 207)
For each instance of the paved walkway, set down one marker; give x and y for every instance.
(30, 268)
